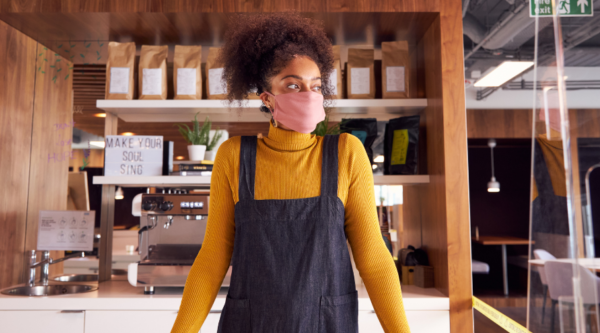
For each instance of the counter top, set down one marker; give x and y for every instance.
(120, 295)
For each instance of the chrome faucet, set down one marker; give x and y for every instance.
(45, 263)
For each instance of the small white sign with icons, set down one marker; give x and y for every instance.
(66, 230)
(136, 155)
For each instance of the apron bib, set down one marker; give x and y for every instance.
(291, 270)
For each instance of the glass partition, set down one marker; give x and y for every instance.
(563, 269)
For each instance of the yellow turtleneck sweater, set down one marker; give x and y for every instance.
(288, 166)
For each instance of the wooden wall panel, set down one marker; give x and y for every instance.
(517, 123)
(50, 145)
(16, 111)
(166, 6)
(499, 123)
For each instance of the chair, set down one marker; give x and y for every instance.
(543, 255)
(479, 267)
(559, 276)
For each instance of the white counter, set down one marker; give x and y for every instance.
(118, 307)
(120, 295)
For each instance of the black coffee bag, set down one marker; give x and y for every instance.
(363, 128)
(401, 146)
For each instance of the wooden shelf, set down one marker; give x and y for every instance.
(185, 181)
(221, 111)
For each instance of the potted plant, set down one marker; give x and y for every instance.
(323, 128)
(210, 153)
(198, 138)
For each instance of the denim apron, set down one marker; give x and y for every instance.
(291, 269)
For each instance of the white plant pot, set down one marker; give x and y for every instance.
(209, 155)
(196, 152)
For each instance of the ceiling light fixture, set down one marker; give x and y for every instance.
(179, 158)
(127, 133)
(493, 185)
(507, 71)
(119, 193)
(100, 115)
(99, 144)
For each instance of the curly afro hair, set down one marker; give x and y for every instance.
(258, 46)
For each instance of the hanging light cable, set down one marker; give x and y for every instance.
(493, 185)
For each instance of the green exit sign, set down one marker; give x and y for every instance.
(565, 7)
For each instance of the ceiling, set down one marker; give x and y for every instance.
(500, 30)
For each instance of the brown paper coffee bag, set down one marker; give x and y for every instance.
(153, 72)
(335, 78)
(119, 70)
(395, 69)
(187, 76)
(360, 74)
(215, 86)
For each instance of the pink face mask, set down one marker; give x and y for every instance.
(300, 111)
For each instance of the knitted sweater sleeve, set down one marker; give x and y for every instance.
(211, 264)
(373, 260)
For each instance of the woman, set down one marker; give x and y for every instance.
(282, 206)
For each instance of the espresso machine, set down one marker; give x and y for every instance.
(172, 228)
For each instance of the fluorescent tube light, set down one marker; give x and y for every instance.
(97, 144)
(379, 159)
(505, 72)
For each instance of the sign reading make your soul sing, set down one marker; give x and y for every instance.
(133, 155)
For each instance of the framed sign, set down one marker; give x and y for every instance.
(66, 230)
(133, 155)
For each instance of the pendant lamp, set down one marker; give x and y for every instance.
(493, 184)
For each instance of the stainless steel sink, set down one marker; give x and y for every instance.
(76, 278)
(48, 290)
(87, 277)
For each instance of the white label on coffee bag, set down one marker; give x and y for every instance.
(360, 77)
(215, 81)
(151, 81)
(66, 230)
(119, 80)
(395, 78)
(186, 81)
(333, 81)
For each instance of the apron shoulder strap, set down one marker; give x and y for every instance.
(329, 168)
(247, 167)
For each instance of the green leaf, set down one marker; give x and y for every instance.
(58, 70)
(52, 66)
(66, 77)
(81, 54)
(60, 46)
(45, 48)
(88, 45)
(57, 60)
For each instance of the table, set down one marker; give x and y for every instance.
(502, 241)
(589, 263)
